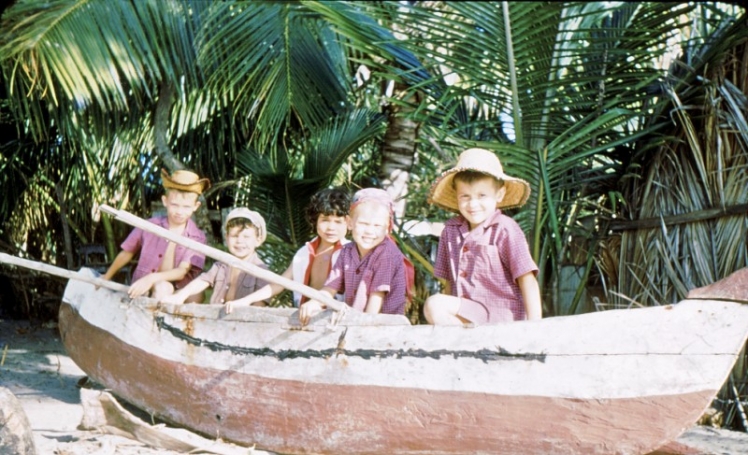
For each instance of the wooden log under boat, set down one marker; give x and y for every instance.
(612, 382)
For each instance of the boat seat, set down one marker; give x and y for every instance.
(94, 257)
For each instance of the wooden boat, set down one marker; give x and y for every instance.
(612, 382)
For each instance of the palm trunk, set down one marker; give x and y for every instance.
(398, 149)
(172, 163)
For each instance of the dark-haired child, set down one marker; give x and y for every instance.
(327, 212)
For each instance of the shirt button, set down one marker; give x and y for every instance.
(463, 274)
(465, 248)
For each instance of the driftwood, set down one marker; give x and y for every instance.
(226, 258)
(16, 436)
(102, 412)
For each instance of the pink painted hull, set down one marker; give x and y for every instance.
(294, 416)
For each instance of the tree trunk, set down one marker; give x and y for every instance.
(161, 131)
(398, 148)
(65, 227)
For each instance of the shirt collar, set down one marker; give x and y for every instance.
(313, 245)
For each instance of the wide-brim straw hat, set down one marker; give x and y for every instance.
(443, 192)
(184, 181)
(254, 217)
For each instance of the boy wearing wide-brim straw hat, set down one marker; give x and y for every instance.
(164, 266)
(483, 254)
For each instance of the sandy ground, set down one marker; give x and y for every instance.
(34, 366)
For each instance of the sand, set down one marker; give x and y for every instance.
(34, 366)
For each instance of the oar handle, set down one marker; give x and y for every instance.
(64, 273)
(224, 257)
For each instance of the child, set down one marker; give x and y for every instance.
(483, 254)
(327, 212)
(163, 265)
(370, 271)
(244, 231)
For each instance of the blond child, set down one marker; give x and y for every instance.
(327, 212)
(244, 231)
(164, 266)
(371, 271)
(483, 254)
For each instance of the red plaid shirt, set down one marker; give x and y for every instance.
(381, 270)
(153, 247)
(483, 264)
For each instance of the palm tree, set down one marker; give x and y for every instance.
(125, 88)
(559, 90)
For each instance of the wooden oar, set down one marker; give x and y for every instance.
(226, 258)
(64, 273)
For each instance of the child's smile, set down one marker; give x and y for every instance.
(242, 241)
(477, 200)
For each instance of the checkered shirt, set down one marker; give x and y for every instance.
(483, 264)
(381, 270)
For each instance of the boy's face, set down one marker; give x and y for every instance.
(477, 200)
(369, 223)
(242, 241)
(179, 206)
(331, 229)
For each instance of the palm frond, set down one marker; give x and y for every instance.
(285, 68)
(282, 184)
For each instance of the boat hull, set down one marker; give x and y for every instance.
(531, 388)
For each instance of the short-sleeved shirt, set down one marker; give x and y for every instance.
(483, 264)
(152, 248)
(301, 268)
(219, 278)
(381, 270)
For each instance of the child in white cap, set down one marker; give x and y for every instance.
(483, 254)
(327, 213)
(244, 231)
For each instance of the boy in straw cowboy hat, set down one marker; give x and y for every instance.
(371, 271)
(244, 232)
(163, 265)
(483, 254)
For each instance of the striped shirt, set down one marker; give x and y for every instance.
(152, 248)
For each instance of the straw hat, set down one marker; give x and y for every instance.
(184, 181)
(443, 192)
(255, 218)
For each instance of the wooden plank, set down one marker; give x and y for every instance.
(226, 258)
(63, 273)
(669, 220)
